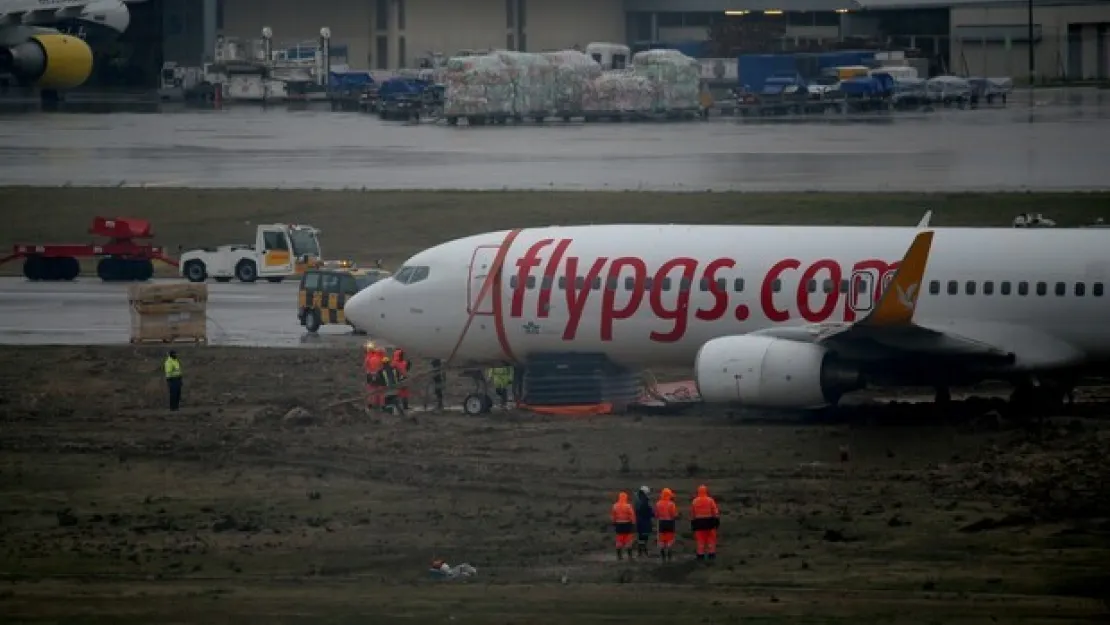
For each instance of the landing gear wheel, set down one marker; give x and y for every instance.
(312, 320)
(246, 271)
(476, 404)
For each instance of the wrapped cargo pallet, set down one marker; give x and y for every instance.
(168, 313)
(619, 92)
(477, 86)
(572, 72)
(676, 76)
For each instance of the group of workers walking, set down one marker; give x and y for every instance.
(386, 379)
(636, 522)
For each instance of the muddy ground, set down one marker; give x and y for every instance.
(270, 498)
(393, 225)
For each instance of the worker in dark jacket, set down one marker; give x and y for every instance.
(645, 514)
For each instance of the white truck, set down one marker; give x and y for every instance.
(280, 251)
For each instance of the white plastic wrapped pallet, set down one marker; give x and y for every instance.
(677, 78)
(620, 91)
(568, 82)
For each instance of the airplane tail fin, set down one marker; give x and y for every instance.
(899, 299)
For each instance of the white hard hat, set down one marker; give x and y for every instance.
(645, 490)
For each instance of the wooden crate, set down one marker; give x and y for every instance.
(168, 313)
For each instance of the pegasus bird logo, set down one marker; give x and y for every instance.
(906, 297)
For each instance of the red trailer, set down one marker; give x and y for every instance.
(122, 257)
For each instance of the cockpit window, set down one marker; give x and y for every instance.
(412, 275)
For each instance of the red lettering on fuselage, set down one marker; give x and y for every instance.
(578, 289)
(609, 310)
(832, 294)
(822, 278)
(767, 290)
(679, 315)
(720, 294)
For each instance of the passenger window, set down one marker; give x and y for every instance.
(738, 285)
(827, 286)
(1042, 288)
(811, 286)
(331, 283)
(703, 284)
(722, 285)
(546, 284)
(988, 288)
(969, 287)
(953, 287)
(611, 284)
(421, 273)
(1080, 289)
(403, 275)
(596, 285)
(684, 285)
(934, 287)
(776, 286)
(580, 283)
(347, 285)
(1006, 288)
(630, 283)
(1096, 289)
(513, 282)
(1061, 288)
(531, 282)
(1023, 288)
(844, 285)
(666, 284)
(563, 283)
(649, 283)
(311, 281)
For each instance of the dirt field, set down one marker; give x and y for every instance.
(393, 225)
(268, 499)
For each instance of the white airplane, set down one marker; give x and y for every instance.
(770, 316)
(35, 51)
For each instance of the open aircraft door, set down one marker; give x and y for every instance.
(481, 263)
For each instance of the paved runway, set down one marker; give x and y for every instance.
(90, 312)
(1059, 143)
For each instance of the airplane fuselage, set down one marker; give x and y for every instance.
(647, 295)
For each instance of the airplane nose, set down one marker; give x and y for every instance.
(359, 310)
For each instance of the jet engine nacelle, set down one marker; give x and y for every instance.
(765, 372)
(48, 61)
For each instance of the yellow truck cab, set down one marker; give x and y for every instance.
(325, 289)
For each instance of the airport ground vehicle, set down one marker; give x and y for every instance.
(324, 291)
(122, 258)
(280, 251)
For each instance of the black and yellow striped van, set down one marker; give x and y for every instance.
(323, 293)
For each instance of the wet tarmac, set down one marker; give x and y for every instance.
(1057, 143)
(91, 312)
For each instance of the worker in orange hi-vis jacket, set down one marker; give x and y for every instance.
(705, 518)
(401, 364)
(624, 525)
(666, 511)
(372, 363)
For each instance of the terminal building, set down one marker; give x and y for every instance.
(1071, 38)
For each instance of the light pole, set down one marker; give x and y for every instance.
(1032, 49)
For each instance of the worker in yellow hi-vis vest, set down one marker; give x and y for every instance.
(501, 378)
(172, 367)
